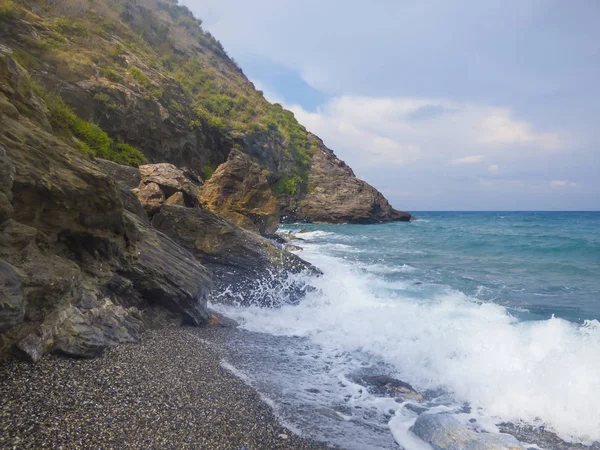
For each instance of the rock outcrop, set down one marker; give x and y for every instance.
(239, 191)
(246, 267)
(78, 272)
(165, 183)
(335, 195)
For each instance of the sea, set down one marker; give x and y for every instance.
(493, 316)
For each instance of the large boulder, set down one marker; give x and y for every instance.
(240, 261)
(82, 333)
(159, 182)
(444, 432)
(336, 195)
(239, 191)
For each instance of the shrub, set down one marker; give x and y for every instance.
(25, 59)
(140, 77)
(8, 11)
(207, 171)
(101, 97)
(111, 75)
(91, 139)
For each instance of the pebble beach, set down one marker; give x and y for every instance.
(170, 391)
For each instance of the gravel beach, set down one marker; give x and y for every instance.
(168, 392)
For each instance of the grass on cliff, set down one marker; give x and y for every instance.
(159, 48)
(91, 139)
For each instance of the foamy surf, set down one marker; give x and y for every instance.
(464, 350)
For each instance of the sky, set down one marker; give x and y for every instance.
(440, 104)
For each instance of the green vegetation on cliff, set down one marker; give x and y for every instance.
(91, 139)
(159, 51)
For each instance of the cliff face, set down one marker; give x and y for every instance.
(114, 114)
(147, 74)
(81, 265)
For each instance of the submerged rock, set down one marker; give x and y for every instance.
(386, 385)
(240, 192)
(444, 432)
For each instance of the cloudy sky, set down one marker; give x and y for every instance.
(456, 105)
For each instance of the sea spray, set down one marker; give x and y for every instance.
(439, 339)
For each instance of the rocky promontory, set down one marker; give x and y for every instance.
(140, 173)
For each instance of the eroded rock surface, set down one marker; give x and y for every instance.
(336, 195)
(239, 191)
(159, 182)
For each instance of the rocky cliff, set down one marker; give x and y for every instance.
(139, 172)
(83, 263)
(146, 73)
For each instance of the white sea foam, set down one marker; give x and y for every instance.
(539, 371)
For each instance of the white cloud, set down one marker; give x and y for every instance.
(563, 183)
(493, 168)
(402, 130)
(467, 160)
(500, 128)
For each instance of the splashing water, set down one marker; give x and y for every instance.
(423, 323)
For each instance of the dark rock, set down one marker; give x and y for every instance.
(127, 176)
(240, 192)
(11, 297)
(444, 432)
(240, 260)
(386, 385)
(292, 248)
(7, 176)
(168, 275)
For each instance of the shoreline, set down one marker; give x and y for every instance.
(169, 391)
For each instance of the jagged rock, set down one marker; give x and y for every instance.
(170, 179)
(15, 237)
(444, 432)
(11, 297)
(240, 192)
(292, 248)
(33, 346)
(240, 260)
(88, 335)
(161, 182)
(168, 275)
(81, 334)
(335, 195)
(151, 197)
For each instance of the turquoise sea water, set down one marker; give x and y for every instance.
(493, 315)
(534, 263)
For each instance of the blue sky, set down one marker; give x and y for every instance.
(459, 105)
